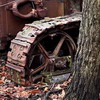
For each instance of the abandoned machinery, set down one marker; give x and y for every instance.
(42, 46)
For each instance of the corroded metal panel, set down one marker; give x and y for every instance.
(10, 24)
(54, 7)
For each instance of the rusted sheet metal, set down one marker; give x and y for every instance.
(25, 39)
(37, 12)
(10, 25)
(2, 24)
(57, 7)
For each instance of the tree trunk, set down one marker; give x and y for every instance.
(85, 84)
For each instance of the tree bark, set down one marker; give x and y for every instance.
(85, 84)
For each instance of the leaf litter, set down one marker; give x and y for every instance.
(40, 91)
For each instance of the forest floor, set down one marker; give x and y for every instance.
(40, 91)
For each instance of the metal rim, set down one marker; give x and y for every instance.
(46, 58)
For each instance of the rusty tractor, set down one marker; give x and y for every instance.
(46, 44)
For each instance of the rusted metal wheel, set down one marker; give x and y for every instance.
(51, 52)
(42, 47)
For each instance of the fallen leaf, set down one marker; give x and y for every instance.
(1, 82)
(3, 78)
(3, 74)
(41, 84)
(19, 88)
(35, 91)
(53, 96)
(64, 84)
(25, 94)
(61, 96)
(69, 80)
(39, 99)
(4, 68)
(46, 89)
(58, 87)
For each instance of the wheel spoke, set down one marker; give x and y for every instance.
(43, 51)
(40, 67)
(58, 47)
